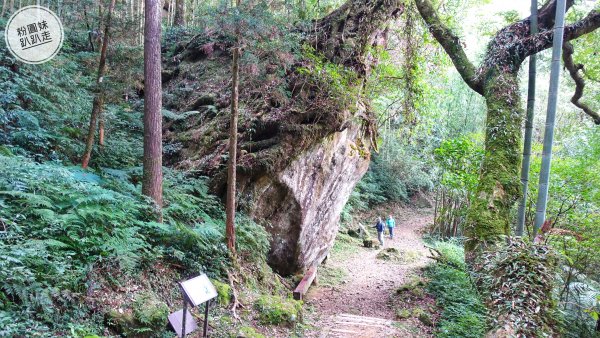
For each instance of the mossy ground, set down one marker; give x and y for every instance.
(278, 310)
(399, 255)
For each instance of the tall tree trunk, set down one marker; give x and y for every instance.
(528, 126)
(498, 189)
(152, 180)
(98, 103)
(231, 169)
(179, 13)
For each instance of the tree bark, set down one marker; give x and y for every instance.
(499, 185)
(179, 20)
(3, 8)
(98, 103)
(345, 35)
(152, 176)
(232, 163)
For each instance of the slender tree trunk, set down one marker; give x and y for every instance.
(528, 126)
(98, 103)
(540, 214)
(101, 125)
(179, 13)
(3, 9)
(231, 170)
(152, 180)
(141, 21)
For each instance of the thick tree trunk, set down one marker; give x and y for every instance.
(499, 186)
(179, 19)
(346, 35)
(152, 180)
(98, 104)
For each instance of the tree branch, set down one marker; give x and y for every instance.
(573, 69)
(451, 44)
(547, 14)
(541, 41)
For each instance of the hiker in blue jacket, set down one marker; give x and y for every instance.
(391, 224)
(379, 226)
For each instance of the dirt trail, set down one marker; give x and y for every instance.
(360, 302)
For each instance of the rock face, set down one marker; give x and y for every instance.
(303, 202)
(304, 135)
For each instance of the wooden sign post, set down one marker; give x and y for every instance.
(195, 291)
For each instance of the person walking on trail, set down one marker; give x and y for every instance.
(379, 226)
(391, 224)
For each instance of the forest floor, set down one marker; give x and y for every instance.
(357, 293)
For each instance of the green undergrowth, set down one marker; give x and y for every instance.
(61, 224)
(463, 312)
(45, 111)
(331, 276)
(344, 244)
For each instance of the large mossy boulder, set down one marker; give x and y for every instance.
(305, 130)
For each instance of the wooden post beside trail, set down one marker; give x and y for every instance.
(305, 283)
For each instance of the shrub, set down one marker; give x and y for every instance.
(463, 312)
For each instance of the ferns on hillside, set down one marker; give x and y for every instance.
(59, 223)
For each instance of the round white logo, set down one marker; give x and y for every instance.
(34, 34)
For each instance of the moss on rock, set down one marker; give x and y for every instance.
(423, 317)
(223, 291)
(401, 256)
(277, 310)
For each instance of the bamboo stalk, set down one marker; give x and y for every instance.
(542, 201)
(528, 125)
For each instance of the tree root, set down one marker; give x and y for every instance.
(236, 303)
